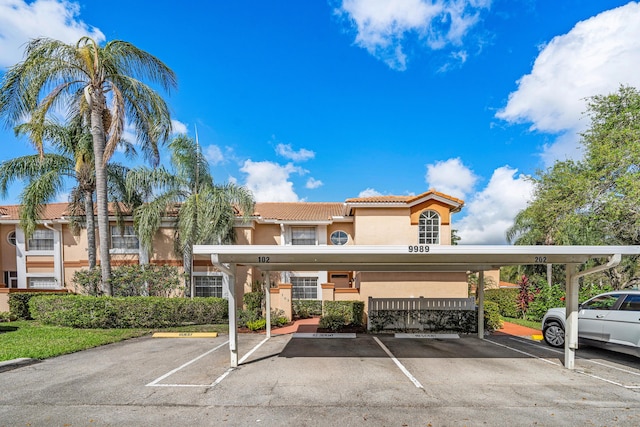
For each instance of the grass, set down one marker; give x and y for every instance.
(34, 340)
(523, 322)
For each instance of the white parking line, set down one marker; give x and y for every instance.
(630, 387)
(216, 382)
(156, 381)
(398, 364)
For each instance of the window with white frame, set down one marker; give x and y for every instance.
(339, 237)
(124, 238)
(41, 283)
(11, 238)
(41, 240)
(208, 286)
(304, 287)
(429, 228)
(303, 235)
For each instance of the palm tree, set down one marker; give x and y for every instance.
(46, 174)
(106, 83)
(206, 212)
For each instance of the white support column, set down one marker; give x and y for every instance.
(21, 258)
(480, 292)
(267, 303)
(233, 323)
(571, 322)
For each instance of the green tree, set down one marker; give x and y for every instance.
(594, 201)
(205, 212)
(106, 82)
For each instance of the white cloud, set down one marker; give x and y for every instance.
(270, 182)
(383, 26)
(287, 152)
(213, 154)
(21, 21)
(369, 192)
(595, 57)
(451, 177)
(313, 183)
(491, 211)
(178, 128)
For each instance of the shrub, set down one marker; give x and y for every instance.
(278, 318)
(132, 280)
(80, 311)
(351, 312)
(253, 301)
(19, 303)
(547, 297)
(6, 316)
(303, 309)
(492, 319)
(506, 300)
(256, 325)
(246, 316)
(333, 322)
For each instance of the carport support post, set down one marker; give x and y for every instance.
(267, 304)
(571, 323)
(480, 292)
(233, 323)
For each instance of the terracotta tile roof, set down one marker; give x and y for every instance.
(51, 211)
(298, 211)
(402, 199)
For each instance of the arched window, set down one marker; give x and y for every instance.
(429, 228)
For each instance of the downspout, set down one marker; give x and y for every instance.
(60, 264)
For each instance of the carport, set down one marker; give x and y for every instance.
(419, 258)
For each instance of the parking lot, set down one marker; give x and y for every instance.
(367, 380)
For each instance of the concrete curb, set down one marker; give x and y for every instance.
(8, 365)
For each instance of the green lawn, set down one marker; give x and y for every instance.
(522, 322)
(32, 339)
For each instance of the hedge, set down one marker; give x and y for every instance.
(506, 300)
(492, 319)
(336, 314)
(19, 303)
(303, 308)
(79, 311)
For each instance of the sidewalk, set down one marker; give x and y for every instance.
(311, 325)
(519, 331)
(302, 325)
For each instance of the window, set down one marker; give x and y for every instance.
(41, 283)
(429, 228)
(11, 238)
(631, 303)
(208, 286)
(602, 302)
(41, 240)
(124, 238)
(304, 287)
(303, 235)
(339, 237)
(11, 279)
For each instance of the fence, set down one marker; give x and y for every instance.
(432, 314)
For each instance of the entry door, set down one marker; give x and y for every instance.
(593, 313)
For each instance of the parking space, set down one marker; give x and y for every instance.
(370, 379)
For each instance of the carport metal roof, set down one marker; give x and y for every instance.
(404, 257)
(414, 258)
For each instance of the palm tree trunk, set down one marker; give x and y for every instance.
(186, 261)
(91, 228)
(99, 141)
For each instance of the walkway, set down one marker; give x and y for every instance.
(311, 325)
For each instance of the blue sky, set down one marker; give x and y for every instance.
(327, 100)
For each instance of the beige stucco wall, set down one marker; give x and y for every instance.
(412, 285)
(384, 226)
(266, 234)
